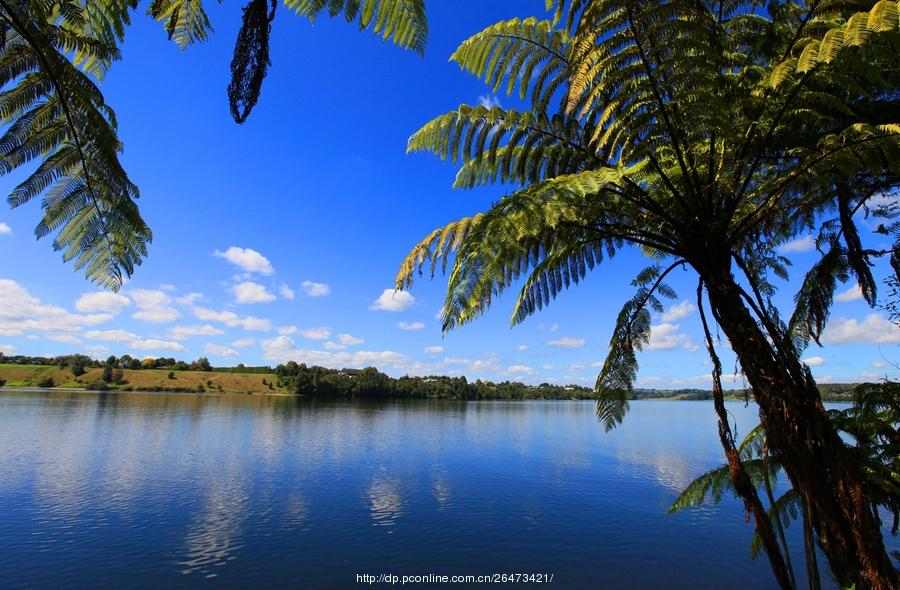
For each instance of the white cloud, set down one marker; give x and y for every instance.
(412, 326)
(231, 319)
(851, 294)
(282, 349)
(250, 292)
(287, 330)
(433, 349)
(804, 244)
(678, 311)
(567, 342)
(244, 342)
(348, 340)
(255, 324)
(813, 361)
(316, 333)
(665, 336)
(157, 315)
(522, 347)
(333, 346)
(314, 289)
(875, 329)
(704, 381)
(547, 367)
(153, 344)
(154, 306)
(65, 338)
(167, 287)
(149, 298)
(219, 350)
(21, 312)
(102, 301)
(519, 370)
(286, 292)
(247, 259)
(393, 300)
(489, 101)
(111, 335)
(5, 229)
(183, 332)
(7, 348)
(489, 363)
(189, 299)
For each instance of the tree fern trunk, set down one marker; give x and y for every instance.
(820, 466)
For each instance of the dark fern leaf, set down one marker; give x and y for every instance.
(251, 58)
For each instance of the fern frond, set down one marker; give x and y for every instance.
(54, 113)
(528, 54)
(401, 21)
(186, 21)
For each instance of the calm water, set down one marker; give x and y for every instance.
(156, 490)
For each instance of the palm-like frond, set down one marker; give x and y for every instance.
(186, 21)
(401, 21)
(529, 54)
(55, 114)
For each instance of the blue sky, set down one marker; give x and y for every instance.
(278, 239)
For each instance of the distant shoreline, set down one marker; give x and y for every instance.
(320, 383)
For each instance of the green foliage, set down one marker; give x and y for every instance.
(529, 54)
(52, 55)
(872, 422)
(55, 115)
(186, 21)
(369, 383)
(702, 133)
(401, 21)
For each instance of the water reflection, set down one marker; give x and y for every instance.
(267, 490)
(385, 501)
(213, 537)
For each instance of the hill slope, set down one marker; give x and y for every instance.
(142, 380)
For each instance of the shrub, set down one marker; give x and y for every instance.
(46, 382)
(97, 385)
(171, 374)
(2, 382)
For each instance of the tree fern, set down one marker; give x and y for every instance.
(707, 133)
(56, 115)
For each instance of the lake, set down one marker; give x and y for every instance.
(181, 490)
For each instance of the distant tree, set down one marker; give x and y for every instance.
(107, 374)
(134, 364)
(201, 364)
(181, 366)
(46, 382)
(148, 363)
(112, 361)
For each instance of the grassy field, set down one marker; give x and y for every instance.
(144, 380)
